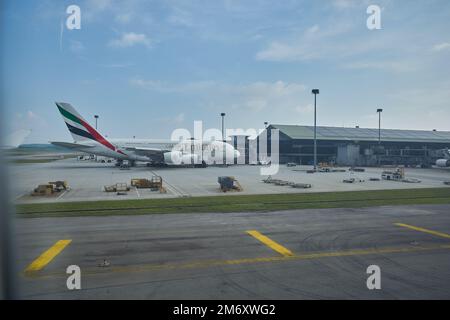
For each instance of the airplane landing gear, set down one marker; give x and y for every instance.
(202, 165)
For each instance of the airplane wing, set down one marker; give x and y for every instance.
(152, 153)
(70, 145)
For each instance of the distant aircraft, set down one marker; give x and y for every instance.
(444, 162)
(15, 139)
(156, 152)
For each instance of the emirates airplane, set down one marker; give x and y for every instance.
(155, 152)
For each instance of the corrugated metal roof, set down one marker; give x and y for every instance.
(363, 134)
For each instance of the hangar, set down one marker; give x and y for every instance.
(359, 146)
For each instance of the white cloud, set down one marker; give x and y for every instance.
(352, 4)
(313, 43)
(270, 89)
(146, 84)
(393, 66)
(277, 88)
(93, 8)
(345, 4)
(309, 108)
(283, 52)
(31, 115)
(180, 17)
(253, 97)
(164, 87)
(179, 118)
(99, 4)
(124, 17)
(131, 39)
(117, 65)
(76, 46)
(28, 120)
(313, 30)
(442, 46)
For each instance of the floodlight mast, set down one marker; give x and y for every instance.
(96, 118)
(315, 92)
(379, 125)
(223, 137)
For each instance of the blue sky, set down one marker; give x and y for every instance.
(149, 67)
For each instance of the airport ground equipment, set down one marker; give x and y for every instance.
(141, 183)
(43, 190)
(118, 187)
(104, 264)
(291, 164)
(398, 175)
(50, 188)
(279, 182)
(59, 185)
(122, 187)
(229, 184)
(411, 180)
(324, 167)
(352, 180)
(301, 185)
(155, 184)
(270, 180)
(357, 169)
(447, 183)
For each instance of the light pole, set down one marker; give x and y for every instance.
(379, 125)
(223, 128)
(265, 124)
(223, 137)
(315, 92)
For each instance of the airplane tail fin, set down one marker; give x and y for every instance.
(79, 128)
(74, 122)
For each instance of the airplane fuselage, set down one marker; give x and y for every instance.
(189, 151)
(209, 152)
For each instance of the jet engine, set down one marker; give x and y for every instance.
(443, 163)
(178, 158)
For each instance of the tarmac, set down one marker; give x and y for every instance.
(298, 254)
(87, 179)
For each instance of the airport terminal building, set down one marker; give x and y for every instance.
(359, 146)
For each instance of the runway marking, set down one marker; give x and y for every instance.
(20, 196)
(212, 263)
(47, 256)
(270, 243)
(436, 233)
(60, 196)
(137, 191)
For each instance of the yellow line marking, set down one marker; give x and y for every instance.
(439, 234)
(215, 263)
(270, 243)
(47, 256)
